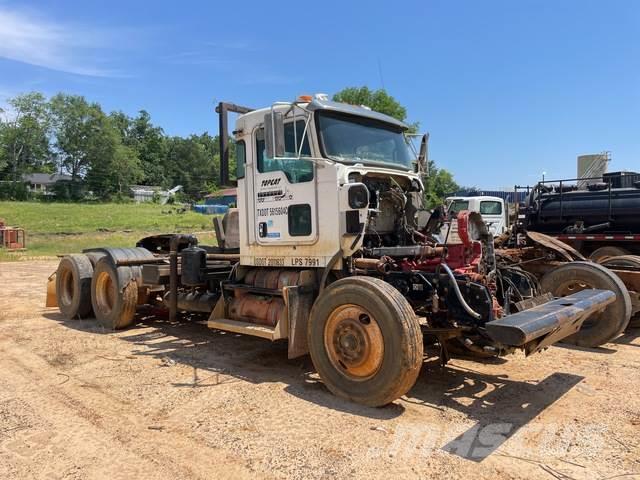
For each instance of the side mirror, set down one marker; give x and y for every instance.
(423, 156)
(274, 134)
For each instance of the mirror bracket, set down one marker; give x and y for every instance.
(274, 134)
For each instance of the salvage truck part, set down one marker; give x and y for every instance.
(332, 251)
(364, 338)
(550, 260)
(574, 277)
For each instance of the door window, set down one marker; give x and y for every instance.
(457, 206)
(240, 159)
(297, 170)
(299, 220)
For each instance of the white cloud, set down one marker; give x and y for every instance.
(29, 38)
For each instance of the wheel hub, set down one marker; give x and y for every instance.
(354, 342)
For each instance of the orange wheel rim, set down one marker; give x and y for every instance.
(66, 295)
(105, 292)
(354, 342)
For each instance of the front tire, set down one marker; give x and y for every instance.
(365, 341)
(599, 328)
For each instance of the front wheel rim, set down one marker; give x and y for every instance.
(354, 342)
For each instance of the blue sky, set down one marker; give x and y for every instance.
(507, 89)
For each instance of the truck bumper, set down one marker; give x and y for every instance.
(546, 324)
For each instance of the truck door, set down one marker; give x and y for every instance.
(285, 191)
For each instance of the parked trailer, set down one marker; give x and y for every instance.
(330, 250)
(595, 218)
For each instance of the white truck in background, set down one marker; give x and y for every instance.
(492, 209)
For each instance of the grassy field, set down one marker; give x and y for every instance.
(57, 228)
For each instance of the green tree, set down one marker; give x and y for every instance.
(89, 146)
(148, 141)
(79, 132)
(24, 136)
(378, 100)
(438, 184)
(117, 170)
(191, 163)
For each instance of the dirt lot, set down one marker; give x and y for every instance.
(180, 401)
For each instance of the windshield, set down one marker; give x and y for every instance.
(490, 207)
(351, 139)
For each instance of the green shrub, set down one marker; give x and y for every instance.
(14, 191)
(66, 190)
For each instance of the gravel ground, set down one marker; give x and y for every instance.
(163, 400)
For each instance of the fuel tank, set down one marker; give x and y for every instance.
(256, 309)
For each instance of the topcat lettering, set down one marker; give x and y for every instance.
(270, 182)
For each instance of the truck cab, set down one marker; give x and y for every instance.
(329, 158)
(493, 211)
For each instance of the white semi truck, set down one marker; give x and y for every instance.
(326, 252)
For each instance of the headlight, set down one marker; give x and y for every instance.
(358, 196)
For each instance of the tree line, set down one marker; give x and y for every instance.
(106, 153)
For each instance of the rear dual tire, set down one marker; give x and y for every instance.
(114, 307)
(73, 286)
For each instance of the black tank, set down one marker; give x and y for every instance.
(555, 212)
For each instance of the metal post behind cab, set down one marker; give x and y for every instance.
(223, 110)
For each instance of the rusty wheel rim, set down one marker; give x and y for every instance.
(354, 342)
(66, 282)
(105, 292)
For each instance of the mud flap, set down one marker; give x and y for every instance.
(52, 299)
(546, 324)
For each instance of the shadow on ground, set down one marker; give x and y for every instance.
(499, 406)
(630, 337)
(214, 354)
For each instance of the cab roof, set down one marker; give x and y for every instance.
(328, 105)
